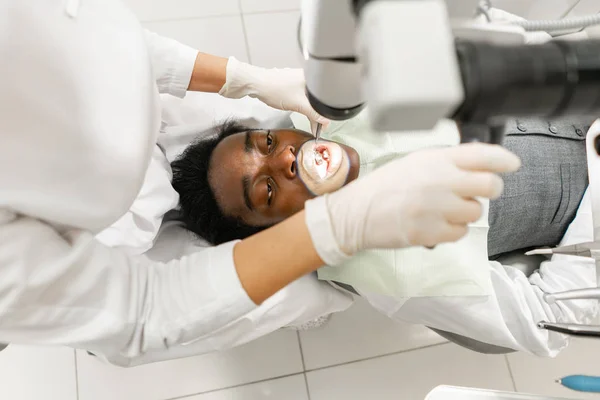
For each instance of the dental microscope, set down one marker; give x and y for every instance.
(417, 61)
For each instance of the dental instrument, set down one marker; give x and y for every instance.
(318, 132)
(318, 155)
(571, 329)
(581, 383)
(579, 249)
(361, 52)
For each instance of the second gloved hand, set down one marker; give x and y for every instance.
(423, 199)
(279, 88)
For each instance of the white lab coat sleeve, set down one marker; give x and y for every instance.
(521, 302)
(64, 288)
(172, 64)
(298, 302)
(135, 232)
(509, 317)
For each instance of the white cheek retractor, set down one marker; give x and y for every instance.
(322, 167)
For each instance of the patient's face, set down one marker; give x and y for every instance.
(254, 175)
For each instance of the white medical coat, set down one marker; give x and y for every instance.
(80, 114)
(509, 317)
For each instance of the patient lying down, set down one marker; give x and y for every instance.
(242, 181)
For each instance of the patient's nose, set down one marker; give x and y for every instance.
(286, 162)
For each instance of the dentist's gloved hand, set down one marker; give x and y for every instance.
(279, 88)
(422, 199)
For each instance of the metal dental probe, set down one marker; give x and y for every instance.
(317, 137)
(318, 132)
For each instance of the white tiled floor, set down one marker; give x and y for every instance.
(289, 388)
(536, 375)
(358, 355)
(33, 373)
(268, 357)
(360, 333)
(152, 10)
(272, 39)
(265, 6)
(410, 375)
(201, 34)
(271, 368)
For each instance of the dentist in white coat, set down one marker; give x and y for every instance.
(79, 114)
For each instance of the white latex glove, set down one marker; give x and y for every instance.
(279, 88)
(423, 199)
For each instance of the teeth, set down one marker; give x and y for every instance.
(318, 158)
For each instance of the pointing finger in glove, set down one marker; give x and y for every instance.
(484, 157)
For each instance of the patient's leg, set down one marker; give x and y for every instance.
(541, 199)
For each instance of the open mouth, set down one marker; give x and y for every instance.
(323, 167)
(322, 161)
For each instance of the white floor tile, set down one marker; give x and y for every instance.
(289, 388)
(33, 373)
(222, 36)
(269, 357)
(537, 375)
(585, 7)
(253, 6)
(536, 9)
(272, 39)
(409, 375)
(359, 333)
(160, 10)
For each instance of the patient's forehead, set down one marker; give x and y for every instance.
(228, 164)
(229, 147)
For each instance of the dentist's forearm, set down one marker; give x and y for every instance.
(270, 260)
(209, 73)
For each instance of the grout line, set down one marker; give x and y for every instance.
(76, 375)
(306, 385)
(301, 351)
(567, 12)
(234, 386)
(303, 364)
(309, 370)
(259, 381)
(512, 377)
(245, 33)
(378, 356)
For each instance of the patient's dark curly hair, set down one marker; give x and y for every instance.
(200, 211)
